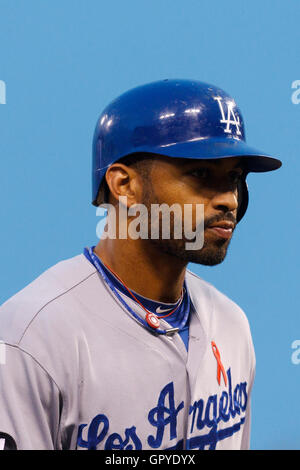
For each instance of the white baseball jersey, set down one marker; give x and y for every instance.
(80, 372)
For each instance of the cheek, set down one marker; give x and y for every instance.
(171, 187)
(175, 190)
(193, 205)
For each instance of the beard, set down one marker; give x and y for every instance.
(213, 251)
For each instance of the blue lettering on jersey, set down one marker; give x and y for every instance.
(157, 418)
(114, 441)
(210, 414)
(203, 414)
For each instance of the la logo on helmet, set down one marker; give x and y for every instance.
(235, 117)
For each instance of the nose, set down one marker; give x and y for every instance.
(225, 201)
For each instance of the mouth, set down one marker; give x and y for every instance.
(222, 229)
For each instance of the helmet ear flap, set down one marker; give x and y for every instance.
(243, 197)
(103, 193)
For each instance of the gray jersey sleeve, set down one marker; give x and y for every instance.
(30, 403)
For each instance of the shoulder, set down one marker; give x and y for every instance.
(214, 304)
(55, 287)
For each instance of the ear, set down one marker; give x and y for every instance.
(123, 180)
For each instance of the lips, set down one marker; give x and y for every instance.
(222, 229)
(223, 224)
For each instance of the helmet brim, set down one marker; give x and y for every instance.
(211, 149)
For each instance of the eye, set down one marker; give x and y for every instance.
(201, 173)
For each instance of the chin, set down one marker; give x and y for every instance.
(211, 254)
(206, 258)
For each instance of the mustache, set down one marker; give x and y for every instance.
(229, 217)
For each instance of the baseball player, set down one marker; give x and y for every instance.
(122, 347)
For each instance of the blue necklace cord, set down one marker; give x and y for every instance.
(88, 252)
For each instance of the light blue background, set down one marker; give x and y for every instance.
(63, 61)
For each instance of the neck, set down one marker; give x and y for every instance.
(143, 268)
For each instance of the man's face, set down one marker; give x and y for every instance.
(212, 183)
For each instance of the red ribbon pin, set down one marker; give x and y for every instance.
(220, 365)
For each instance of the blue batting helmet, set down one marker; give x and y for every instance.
(175, 118)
